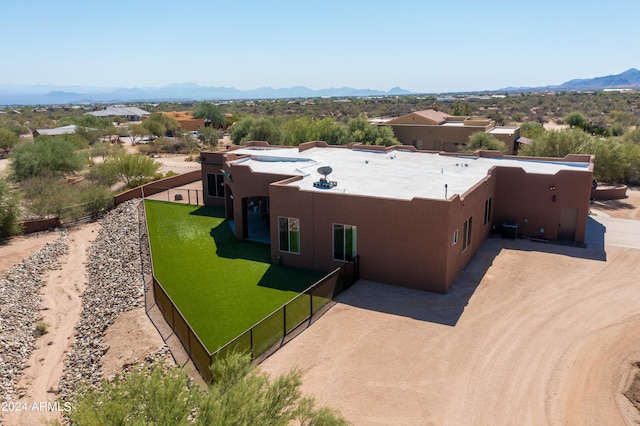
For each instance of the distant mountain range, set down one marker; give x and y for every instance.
(48, 95)
(630, 79)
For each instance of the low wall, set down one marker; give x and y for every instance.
(609, 192)
(157, 186)
(37, 225)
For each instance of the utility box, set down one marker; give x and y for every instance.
(509, 230)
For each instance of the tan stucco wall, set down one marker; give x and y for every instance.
(399, 242)
(447, 138)
(521, 196)
(436, 138)
(409, 243)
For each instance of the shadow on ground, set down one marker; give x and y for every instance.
(289, 279)
(228, 246)
(446, 309)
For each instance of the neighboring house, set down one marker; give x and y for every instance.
(64, 130)
(433, 130)
(128, 113)
(186, 121)
(414, 218)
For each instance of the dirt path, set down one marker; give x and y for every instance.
(61, 306)
(130, 338)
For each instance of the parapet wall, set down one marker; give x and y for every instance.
(609, 192)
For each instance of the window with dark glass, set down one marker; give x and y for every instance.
(466, 237)
(289, 234)
(487, 211)
(344, 242)
(215, 185)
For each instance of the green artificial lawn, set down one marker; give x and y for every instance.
(221, 285)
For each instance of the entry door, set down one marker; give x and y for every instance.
(568, 219)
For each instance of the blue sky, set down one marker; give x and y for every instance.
(421, 46)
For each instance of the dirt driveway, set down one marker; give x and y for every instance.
(530, 334)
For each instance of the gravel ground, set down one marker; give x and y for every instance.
(19, 312)
(114, 286)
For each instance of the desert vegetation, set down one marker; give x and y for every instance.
(76, 174)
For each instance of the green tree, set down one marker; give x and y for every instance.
(531, 129)
(211, 113)
(331, 132)
(559, 144)
(610, 161)
(209, 136)
(462, 108)
(632, 156)
(89, 121)
(265, 129)
(482, 140)
(633, 136)
(56, 197)
(14, 125)
(132, 170)
(47, 196)
(241, 395)
(298, 131)
(361, 131)
(92, 135)
(160, 124)
(154, 127)
(137, 132)
(8, 140)
(10, 211)
(241, 129)
(576, 119)
(49, 156)
(104, 150)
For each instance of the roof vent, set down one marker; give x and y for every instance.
(324, 183)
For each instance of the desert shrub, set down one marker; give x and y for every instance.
(482, 140)
(10, 211)
(240, 395)
(49, 156)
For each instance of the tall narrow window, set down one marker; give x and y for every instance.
(215, 185)
(344, 242)
(289, 234)
(487, 211)
(466, 237)
(454, 240)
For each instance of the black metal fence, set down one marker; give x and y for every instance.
(272, 332)
(263, 338)
(179, 195)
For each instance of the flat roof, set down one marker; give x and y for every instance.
(398, 174)
(503, 130)
(71, 128)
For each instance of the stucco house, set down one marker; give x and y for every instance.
(437, 131)
(186, 120)
(130, 113)
(413, 218)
